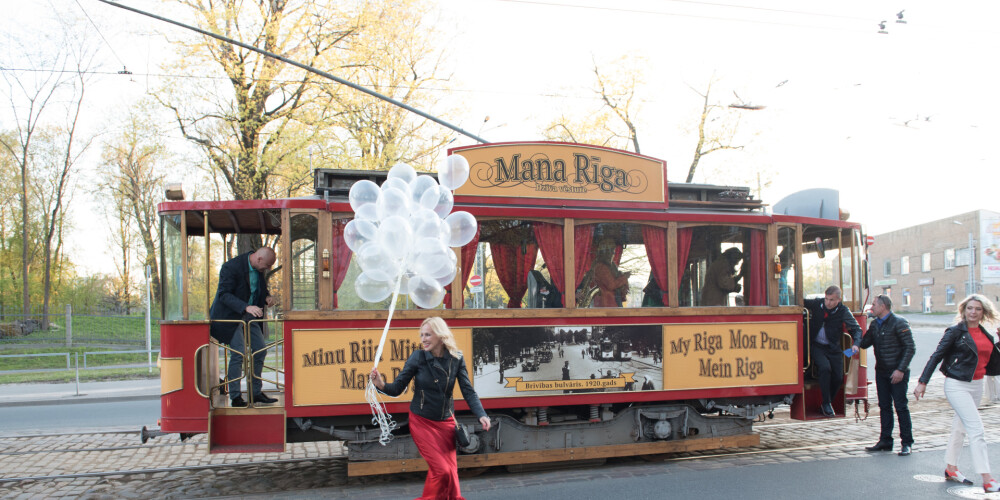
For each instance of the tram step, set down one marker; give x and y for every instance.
(246, 430)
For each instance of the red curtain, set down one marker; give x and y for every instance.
(513, 263)
(468, 259)
(550, 243)
(583, 251)
(683, 250)
(655, 239)
(756, 290)
(341, 258)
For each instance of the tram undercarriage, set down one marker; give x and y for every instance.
(554, 434)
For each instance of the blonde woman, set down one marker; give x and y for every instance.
(966, 348)
(435, 369)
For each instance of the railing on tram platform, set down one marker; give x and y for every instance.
(213, 377)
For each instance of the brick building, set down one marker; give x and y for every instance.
(925, 268)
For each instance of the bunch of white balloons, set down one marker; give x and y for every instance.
(401, 233)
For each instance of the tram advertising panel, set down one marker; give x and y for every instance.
(332, 366)
(714, 355)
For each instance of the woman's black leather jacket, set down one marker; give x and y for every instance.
(432, 377)
(957, 354)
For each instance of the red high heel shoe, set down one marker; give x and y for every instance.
(991, 486)
(956, 477)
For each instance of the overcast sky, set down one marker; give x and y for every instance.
(902, 124)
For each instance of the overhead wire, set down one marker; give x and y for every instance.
(106, 42)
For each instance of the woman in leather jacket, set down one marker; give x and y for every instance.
(963, 352)
(435, 370)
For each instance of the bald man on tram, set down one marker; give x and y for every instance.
(243, 295)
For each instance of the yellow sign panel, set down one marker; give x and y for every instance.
(713, 355)
(562, 171)
(521, 385)
(332, 366)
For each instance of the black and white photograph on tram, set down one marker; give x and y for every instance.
(529, 361)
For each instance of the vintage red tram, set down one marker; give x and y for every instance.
(587, 259)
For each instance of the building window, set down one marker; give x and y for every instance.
(906, 297)
(887, 268)
(949, 258)
(925, 263)
(904, 265)
(949, 295)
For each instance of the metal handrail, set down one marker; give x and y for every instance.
(248, 357)
(278, 340)
(806, 316)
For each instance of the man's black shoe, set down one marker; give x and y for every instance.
(260, 397)
(827, 409)
(238, 402)
(883, 446)
(905, 450)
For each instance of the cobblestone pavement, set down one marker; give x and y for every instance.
(317, 470)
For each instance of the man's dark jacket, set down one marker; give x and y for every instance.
(835, 319)
(957, 353)
(431, 379)
(233, 296)
(893, 341)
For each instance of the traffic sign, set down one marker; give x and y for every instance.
(475, 280)
(870, 240)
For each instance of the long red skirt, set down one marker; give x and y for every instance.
(436, 442)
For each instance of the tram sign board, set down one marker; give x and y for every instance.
(549, 173)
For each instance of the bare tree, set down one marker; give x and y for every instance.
(717, 139)
(132, 170)
(614, 122)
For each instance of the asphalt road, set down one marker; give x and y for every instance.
(118, 415)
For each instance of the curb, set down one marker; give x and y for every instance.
(82, 399)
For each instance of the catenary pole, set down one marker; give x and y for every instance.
(302, 66)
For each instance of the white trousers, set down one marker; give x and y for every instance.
(964, 398)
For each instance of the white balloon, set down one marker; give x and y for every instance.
(445, 202)
(420, 186)
(396, 183)
(463, 228)
(445, 236)
(403, 172)
(392, 202)
(447, 279)
(377, 263)
(453, 172)
(367, 212)
(362, 193)
(430, 257)
(372, 290)
(395, 236)
(358, 232)
(426, 224)
(425, 291)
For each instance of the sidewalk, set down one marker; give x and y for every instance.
(933, 320)
(88, 392)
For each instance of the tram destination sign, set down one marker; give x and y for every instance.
(562, 173)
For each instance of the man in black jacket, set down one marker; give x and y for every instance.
(894, 348)
(243, 295)
(828, 319)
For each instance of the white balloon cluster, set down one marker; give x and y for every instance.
(401, 232)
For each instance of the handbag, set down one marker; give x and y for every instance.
(993, 365)
(851, 387)
(461, 435)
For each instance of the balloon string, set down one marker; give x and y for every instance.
(380, 416)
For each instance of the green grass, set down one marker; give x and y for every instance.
(85, 375)
(126, 330)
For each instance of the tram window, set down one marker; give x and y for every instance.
(172, 267)
(512, 267)
(831, 266)
(304, 256)
(724, 266)
(616, 270)
(198, 289)
(786, 259)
